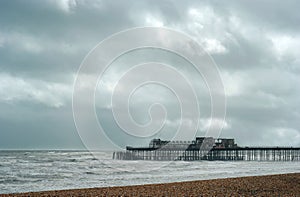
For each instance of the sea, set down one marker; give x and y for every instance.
(24, 171)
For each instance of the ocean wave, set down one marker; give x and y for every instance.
(61, 170)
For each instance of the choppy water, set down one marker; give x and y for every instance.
(22, 171)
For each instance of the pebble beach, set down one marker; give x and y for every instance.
(270, 185)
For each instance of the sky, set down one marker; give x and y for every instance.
(255, 45)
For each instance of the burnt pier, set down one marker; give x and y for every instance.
(207, 148)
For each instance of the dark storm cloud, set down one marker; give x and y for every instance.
(254, 43)
(43, 39)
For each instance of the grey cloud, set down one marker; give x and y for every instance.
(43, 44)
(279, 15)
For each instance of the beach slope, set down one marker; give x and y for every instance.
(271, 185)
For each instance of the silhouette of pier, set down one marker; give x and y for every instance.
(207, 148)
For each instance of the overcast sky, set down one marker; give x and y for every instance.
(255, 44)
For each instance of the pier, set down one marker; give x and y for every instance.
(207, 149)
